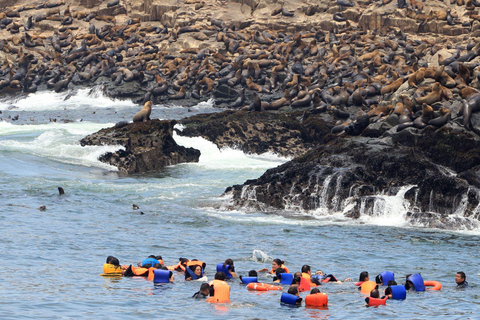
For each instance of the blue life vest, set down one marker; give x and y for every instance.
(192, 274)
(398, 292)
(387, 276)
(220, 268)
(161, 276)
(286, 278)
(247, 280)
(417, 281)
(150, 261)
(317, 277)
(290, 298)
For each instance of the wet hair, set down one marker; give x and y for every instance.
(462, 274)
(315, 290)
(392, 283)
(114, 261)
(279, 270)
(183, 260)
(228, 262)
(306, 268)
(158, 258)
(278, 261)
(378, 279)
(374, 293)
(204, 286)
(109, 258)
(152, 256)
(363, 276)
(409, 285)
(252, 273)
(157, 265)
(220, 276)
(293, 290)
(388, 291)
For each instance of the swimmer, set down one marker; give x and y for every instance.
(460, 279)
(276, 263)
(294, 291)
(197, 273)
(227, 268)
(388, 290)
(251, 273)
(180, 266)
(362, 278)
(219, 289)
(203, 292)
(277, 278)
(297, 277)
(112, 266)
(151, 261)
(315, 290)
(320, 276)
(373, 294)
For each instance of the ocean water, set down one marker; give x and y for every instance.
(51, 259)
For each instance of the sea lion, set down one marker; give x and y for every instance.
(470, 105)
(432, 97)
(427, 114)
(445, 116)
(357, 127)
(180, 95)
(144, 114)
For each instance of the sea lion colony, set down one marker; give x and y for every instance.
(358, 76)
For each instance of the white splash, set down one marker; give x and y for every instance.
(50, 100)
(55, 141)
(227, 158)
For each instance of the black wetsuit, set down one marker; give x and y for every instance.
(199, 295)
(464, 284)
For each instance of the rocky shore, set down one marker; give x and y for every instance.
(369, 98)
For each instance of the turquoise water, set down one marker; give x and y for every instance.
(51, 260)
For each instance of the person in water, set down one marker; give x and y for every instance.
(180, 266)
(276, 263)
(228, 265)
(112, 266)
(203, 292)
(297, 277)
(197, 271)
(219, 283)
(388, 290)
(151, 261)
(315, 290)
(320, 276)
(461, 280)
(277, 278)
(362, 278)
(294, 291)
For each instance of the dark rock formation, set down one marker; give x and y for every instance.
(148, 146)
(435, 170)
(289, 134)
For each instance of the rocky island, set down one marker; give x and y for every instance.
(368, 98)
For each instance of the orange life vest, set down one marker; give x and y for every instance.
(367, 286)
(318, 299)
(110, 269)
(221, 292)
(177, 267)
(307, 276)
(283, 267)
